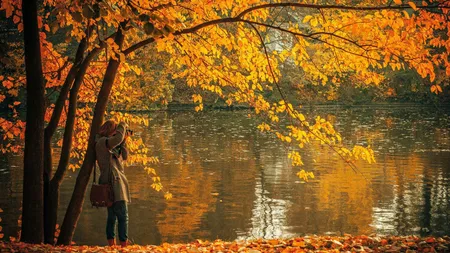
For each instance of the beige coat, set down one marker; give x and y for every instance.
(111, 168)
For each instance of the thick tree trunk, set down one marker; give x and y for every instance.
(32, 209)
(55, 183)
(76, 202)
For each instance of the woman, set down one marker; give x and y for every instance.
(111, 150)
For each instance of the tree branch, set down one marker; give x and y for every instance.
(337, 7)
(156, 8)
(68, 130)
(238, 18)
(301, 34)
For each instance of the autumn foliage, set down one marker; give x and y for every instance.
(347, 243)
(131, 52)
(339, 41)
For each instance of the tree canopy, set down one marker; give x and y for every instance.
(131, 54)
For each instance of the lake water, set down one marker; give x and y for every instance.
(229, 181)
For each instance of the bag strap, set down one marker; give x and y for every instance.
(110, 155)
(95, 164)
(95, 170)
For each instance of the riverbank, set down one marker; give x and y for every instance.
(313, 106)
(347, 243)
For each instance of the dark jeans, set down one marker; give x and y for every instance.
(120, 210)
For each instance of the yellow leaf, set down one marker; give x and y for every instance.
(307, 18)
(301, 117)
(197, 98)
(199, 107)
(398, 1)
(413, 5)
(168, 195)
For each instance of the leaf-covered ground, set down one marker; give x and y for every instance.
(346, 243)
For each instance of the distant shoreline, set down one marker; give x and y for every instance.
(381, 105)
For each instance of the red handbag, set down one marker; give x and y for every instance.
(101, 195)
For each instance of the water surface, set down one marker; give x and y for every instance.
(230, 182)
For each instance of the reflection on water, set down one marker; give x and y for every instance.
(231, 182)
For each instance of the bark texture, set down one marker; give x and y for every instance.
(32, 209)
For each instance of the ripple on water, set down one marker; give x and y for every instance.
(230, 181)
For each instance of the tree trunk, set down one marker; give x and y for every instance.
(51, 193)
(48, 133)
(49, 231)
(32, 209)
(55, 183)
(76, 202)
(59, 105)
(52, 203)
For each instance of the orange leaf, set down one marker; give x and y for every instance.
(433, 88)
(274, 242)
(299, 244)
(413, 5)
(431, 240)
(8, 84)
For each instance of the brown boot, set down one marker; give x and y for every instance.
(124, 244)
(111, 242)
